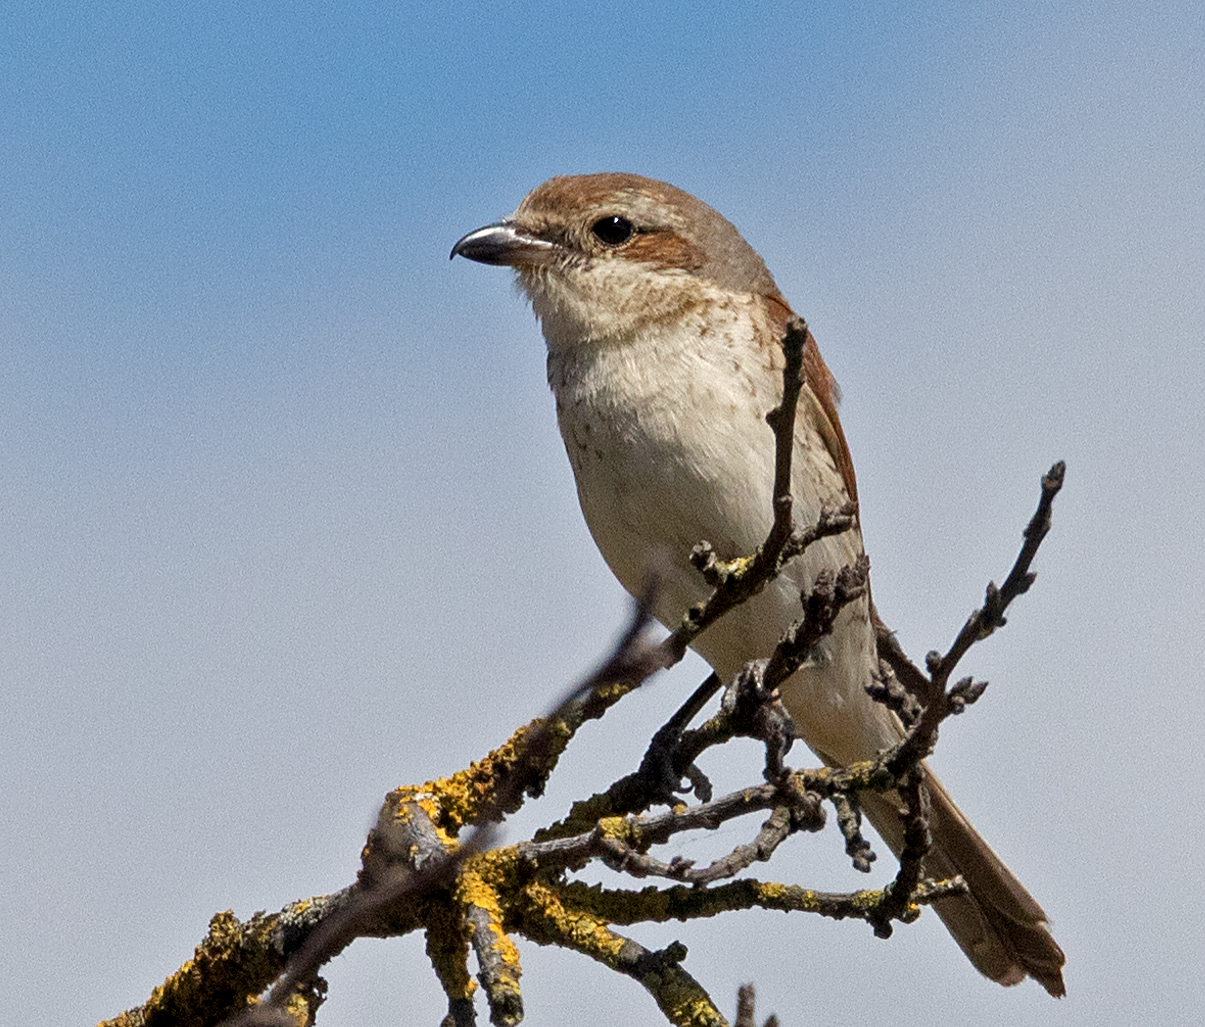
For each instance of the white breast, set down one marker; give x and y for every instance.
(665, 429)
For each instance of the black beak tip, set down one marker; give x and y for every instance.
(483, 245)
(458, 248)
(504, 244)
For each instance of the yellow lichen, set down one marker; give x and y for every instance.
(448, 950)
(623, 829)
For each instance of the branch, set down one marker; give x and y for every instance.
(931, 689)
(678, 995)
(470, 898)
(683, 902)
(746, 1006)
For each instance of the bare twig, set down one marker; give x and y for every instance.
(990, 616)
(849, 821)
(746, 1006)
(932, 688)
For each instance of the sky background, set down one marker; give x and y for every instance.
(285, 520)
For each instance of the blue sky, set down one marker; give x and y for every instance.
(285, 519)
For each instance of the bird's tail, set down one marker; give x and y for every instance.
(999, 926)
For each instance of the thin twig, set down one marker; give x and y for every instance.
(938, 703)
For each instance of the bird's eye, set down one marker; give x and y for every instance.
(613, 230)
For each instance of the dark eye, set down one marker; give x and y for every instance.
(612, 230)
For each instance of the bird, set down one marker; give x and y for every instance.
(663, 329)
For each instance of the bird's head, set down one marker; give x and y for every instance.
(603, 256)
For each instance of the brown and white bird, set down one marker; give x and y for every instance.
(663, 329)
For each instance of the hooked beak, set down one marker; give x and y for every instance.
(504, 243)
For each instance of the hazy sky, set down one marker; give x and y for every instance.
(285, 520)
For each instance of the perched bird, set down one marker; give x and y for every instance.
(663, 329)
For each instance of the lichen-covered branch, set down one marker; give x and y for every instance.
(679, 996)
(432, 863)
(682, 902)
(498, 784)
